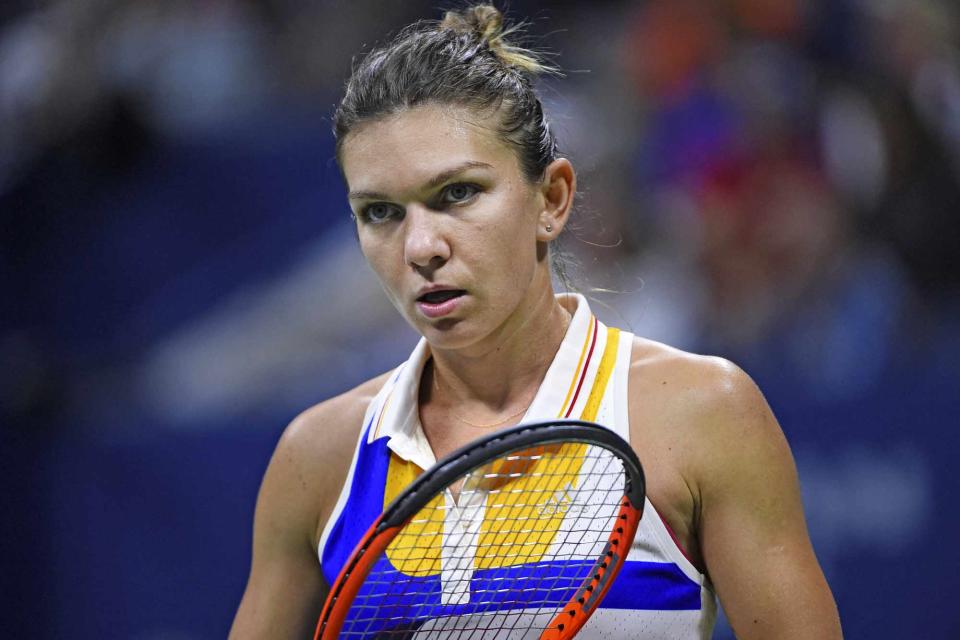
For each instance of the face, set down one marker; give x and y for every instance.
(448, 222)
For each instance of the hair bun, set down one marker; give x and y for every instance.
(486, 22)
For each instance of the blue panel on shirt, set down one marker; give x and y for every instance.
(383, 604)
(652, 585)
(363, 506)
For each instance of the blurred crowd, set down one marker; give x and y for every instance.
(793, 175)
(776, 181)
(755, 174)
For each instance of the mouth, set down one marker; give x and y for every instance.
(440, 296)
(440, 302)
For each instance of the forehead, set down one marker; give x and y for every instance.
(411, 147)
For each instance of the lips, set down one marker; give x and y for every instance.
(439, 301)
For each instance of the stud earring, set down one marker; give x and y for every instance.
(549, 228)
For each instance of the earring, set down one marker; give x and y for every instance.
(549, 228)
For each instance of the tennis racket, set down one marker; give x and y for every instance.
(517, 535)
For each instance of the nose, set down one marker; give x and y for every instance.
(425, 245)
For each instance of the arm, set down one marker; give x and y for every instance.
(286, 590)
(751, 526)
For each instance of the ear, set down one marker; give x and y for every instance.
(557, 189)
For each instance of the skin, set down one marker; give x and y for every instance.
(439, 199)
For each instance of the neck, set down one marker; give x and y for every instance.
(506, 371)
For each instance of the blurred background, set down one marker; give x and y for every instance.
(774, 181)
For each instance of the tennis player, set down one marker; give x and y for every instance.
(458, 191)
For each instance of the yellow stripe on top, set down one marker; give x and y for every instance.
(576, 373)
(416, 549)
(523, 515)
(604, 370)
(519, 524)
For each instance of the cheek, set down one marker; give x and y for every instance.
(517, 234)
(379, 259)
(499, 243)
(509, 246)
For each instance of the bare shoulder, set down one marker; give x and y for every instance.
(700, 423)
(315, 450)
(330, 428)
(703, 396)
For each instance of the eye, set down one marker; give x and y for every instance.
(379, 212)
(458, 192)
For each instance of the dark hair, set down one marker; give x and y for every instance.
(462, 60)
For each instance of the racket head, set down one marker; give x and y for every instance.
(529, 484)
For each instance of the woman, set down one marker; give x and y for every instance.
(458, 190)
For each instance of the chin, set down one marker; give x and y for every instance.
(448, 333)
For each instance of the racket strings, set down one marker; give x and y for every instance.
(498, 562)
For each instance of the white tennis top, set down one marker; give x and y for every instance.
(658, 594)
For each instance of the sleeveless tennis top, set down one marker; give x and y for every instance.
(658, 593)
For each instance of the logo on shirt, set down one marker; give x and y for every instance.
(560, 503)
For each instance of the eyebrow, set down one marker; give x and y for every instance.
(434, 182)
